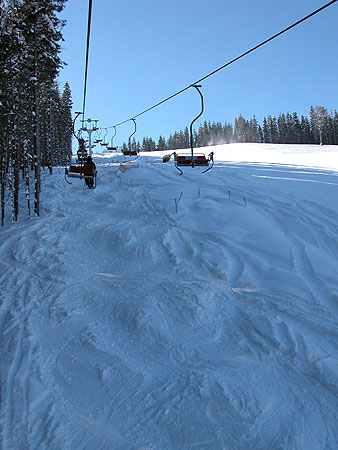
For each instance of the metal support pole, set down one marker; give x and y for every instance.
(90, 140)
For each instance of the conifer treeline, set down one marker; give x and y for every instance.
(35, 119)
(319, 128)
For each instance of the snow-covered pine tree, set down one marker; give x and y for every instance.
(335, 127)
(240, 129)
(30, 33)
(319, 121)
(228, 133)
(41, 31)
(66, 124)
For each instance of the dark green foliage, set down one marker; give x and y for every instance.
(35, 119)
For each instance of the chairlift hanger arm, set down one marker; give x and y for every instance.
(211, 158)
(112, 139)
(77, 115)
(175, 162)
(196, 86)
(132, 134)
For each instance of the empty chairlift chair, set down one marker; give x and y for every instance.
(128, 151)
(198, 159)
(111, 147)
(104, 143)
(193, 159)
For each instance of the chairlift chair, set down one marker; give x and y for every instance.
(112, 142)
(128, 151)
(104, 143)
(198, 159)
(81, 172)
(97, 138)
(193, 159)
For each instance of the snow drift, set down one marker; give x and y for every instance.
(127, 325)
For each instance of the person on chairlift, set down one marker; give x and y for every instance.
(89, 163)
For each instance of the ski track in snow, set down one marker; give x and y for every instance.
(127, 326)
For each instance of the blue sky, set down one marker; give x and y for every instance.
(144, 51)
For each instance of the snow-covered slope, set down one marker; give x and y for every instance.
(127, 325)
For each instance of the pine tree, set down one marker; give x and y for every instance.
(290, 139)
(306, 130)
(297, 130)
(266, 131)
(240, 129)
(186, 138)
(335, 128)
(228, 133)
(253, 133)
(282, 129)
(260, 134)
(161, 145)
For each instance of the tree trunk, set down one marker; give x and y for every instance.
(16, 169)
(28, 198)
(36, 143)
(3, 188)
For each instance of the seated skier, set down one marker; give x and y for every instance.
(89, 163)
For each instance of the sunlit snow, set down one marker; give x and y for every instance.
(126, 325)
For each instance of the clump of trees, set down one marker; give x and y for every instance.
(35, 118)
(319, 128)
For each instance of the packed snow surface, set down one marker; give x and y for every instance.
(167, 312)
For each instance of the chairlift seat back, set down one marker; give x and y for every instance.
(186, 160)
(81, 171)
(129, 152)
(86, 172)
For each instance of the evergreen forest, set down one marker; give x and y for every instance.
(319, 128)
(36, 120)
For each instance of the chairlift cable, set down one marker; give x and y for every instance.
(229, 63)
(87, 57)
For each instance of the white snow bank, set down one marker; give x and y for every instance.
(127, 325)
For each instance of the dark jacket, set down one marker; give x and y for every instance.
(89, 163)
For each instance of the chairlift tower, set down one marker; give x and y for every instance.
(89, 126)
